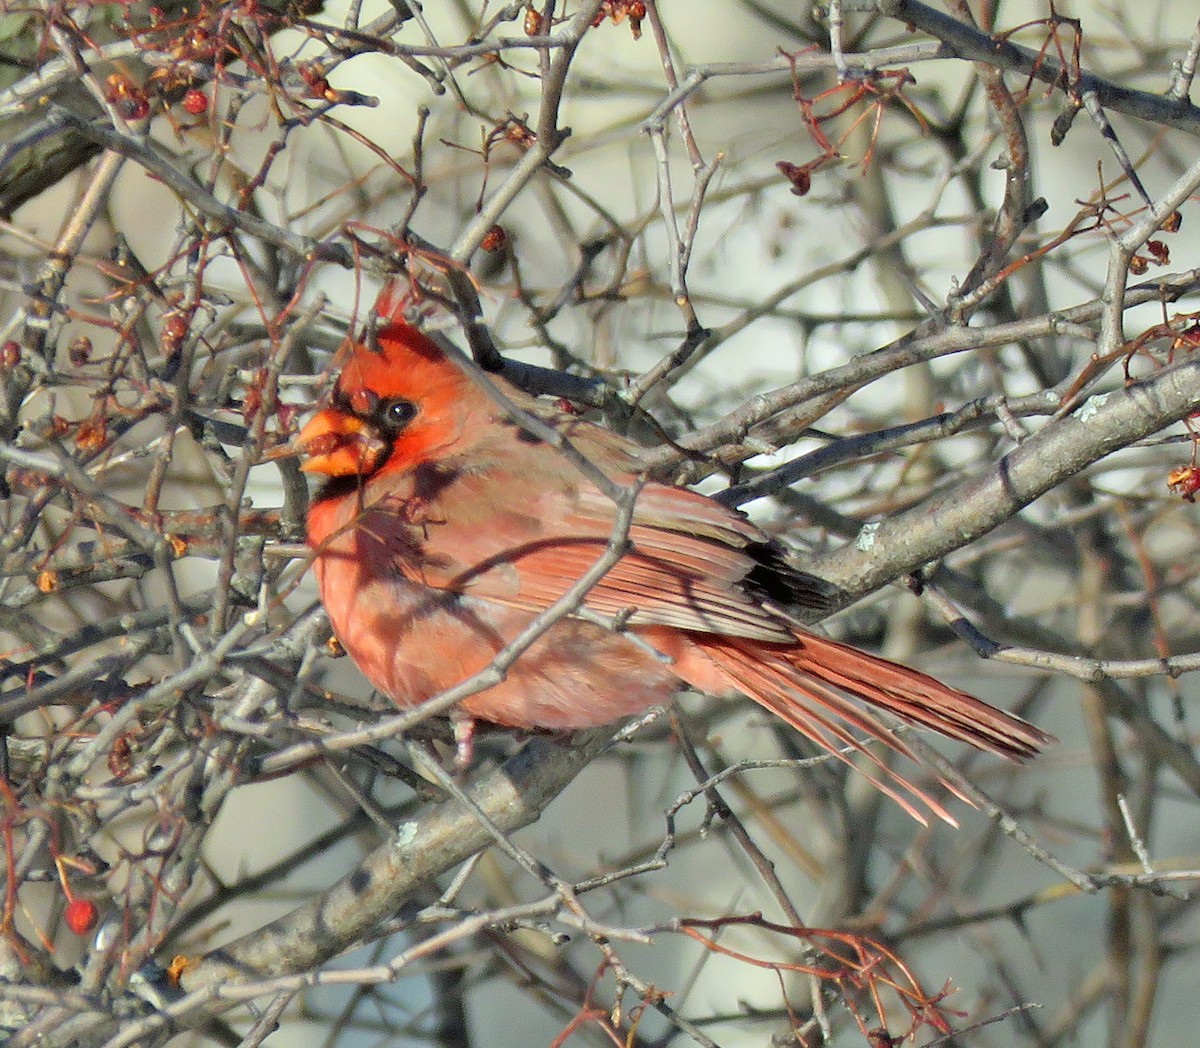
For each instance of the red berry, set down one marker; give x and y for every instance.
(81, 915)
(195, 101)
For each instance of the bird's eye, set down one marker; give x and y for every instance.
(398, 412)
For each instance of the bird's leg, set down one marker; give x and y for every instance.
(464, 739)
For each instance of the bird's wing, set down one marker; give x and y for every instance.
(524, 541)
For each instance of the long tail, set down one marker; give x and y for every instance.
(807, 684)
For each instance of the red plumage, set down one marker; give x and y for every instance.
(448, 527)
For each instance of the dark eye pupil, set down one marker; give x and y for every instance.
(398, 412)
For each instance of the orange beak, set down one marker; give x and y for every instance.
(339, 445)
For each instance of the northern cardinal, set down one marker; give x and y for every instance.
(447, 526)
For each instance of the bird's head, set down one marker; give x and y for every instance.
(396, 404)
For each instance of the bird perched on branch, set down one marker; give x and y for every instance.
(453, 517)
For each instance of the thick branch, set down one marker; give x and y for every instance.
(962, 513)
(512, 796)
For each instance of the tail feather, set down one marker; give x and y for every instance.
(798, 682)
(917, 698)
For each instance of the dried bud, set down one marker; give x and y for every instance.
(1184, 482)
(177, 967)
(80, 350)
(637, 11)
(92, 435)
(120, 756)
(174, 331)
(313, 75)
(516, 132)
(126, 97)
(252, 401)
(800, 176)
(494, 239)
(1188, 339)
(197, 45)
(619, 10)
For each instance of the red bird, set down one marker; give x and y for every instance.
(448, 526)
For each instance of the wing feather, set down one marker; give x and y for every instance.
(690, 564)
